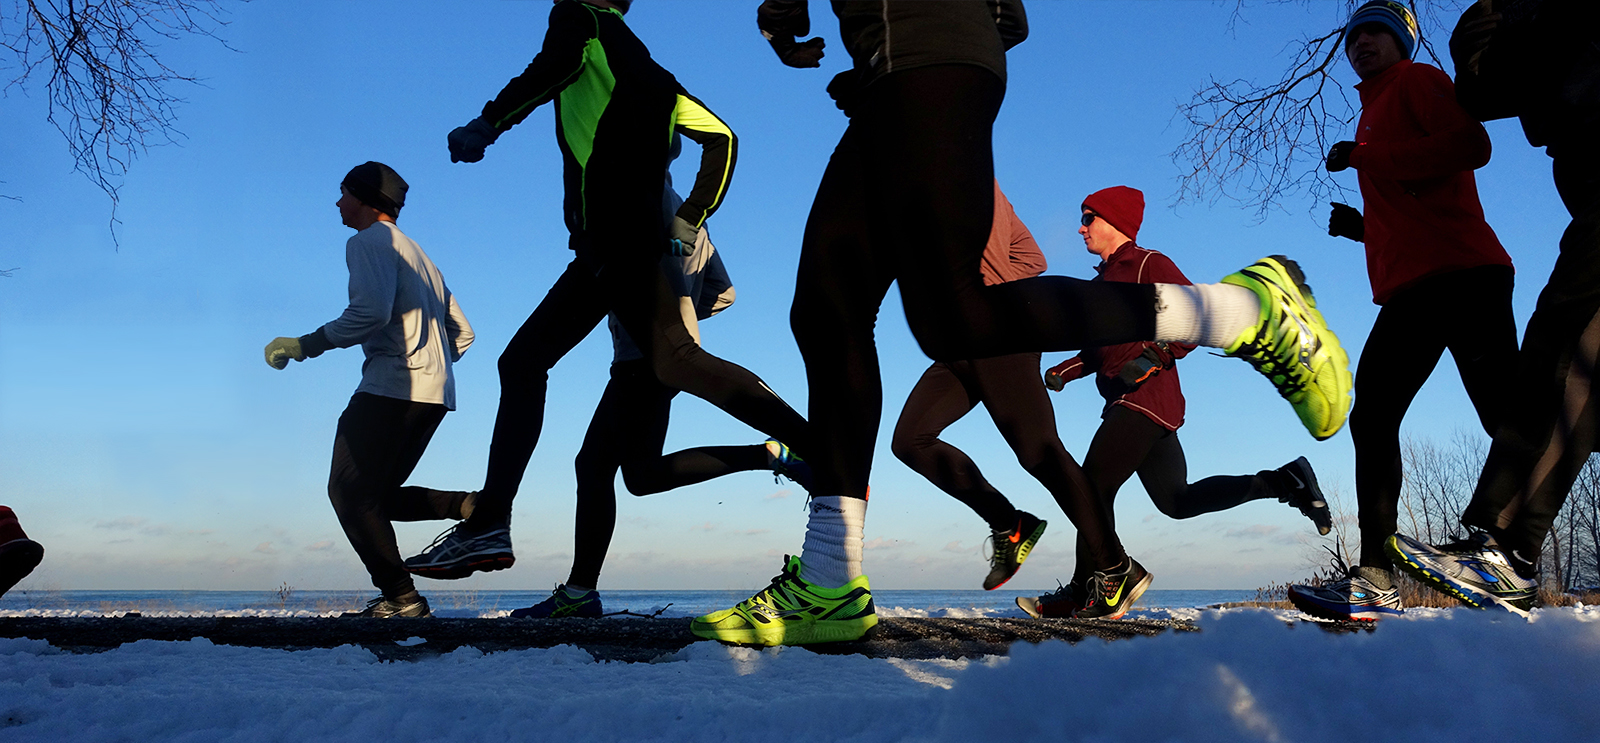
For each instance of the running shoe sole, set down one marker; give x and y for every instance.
(485, 564)
(1331, 381)
(1443, 583)
(1315, 607)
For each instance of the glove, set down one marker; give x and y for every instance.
(684, 236)
(800, 54)
(467, 143)
(845, 89)
(1346, 221)
(280, 350)
(781, 23)
(1053, 378)
(1339, 156)
(1136, 372)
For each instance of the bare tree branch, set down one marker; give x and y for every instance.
(1261, 145)
(109, 93)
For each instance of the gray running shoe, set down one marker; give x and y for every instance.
(1474, 570)
(413, 606)
(1305, 494)
(461, 551)
(1355, 597)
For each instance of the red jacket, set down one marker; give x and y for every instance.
(1160, 398)
(1415, 153)
(1012, 252)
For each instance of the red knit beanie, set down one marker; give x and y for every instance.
(1123, 207)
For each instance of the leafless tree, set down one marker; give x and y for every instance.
(109, 93)
(1262, 144)
(1438, 482)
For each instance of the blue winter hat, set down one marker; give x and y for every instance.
(1394, 16)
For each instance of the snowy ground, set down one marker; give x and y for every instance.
(1436, 675)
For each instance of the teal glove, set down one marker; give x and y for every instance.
(280, 350)
(684, 236)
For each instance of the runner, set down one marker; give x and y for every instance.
(1007, 387)
(412, 331)
(19, 555)
(613, 107)
(629, 429)
(1539, 61)
(1437, 270)
(908, 196)
(1144, 409)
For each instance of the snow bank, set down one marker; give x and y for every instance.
(1449, 674)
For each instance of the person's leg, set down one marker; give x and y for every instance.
(378, 443)
(1483, 339)
(1119, 447)
(843, 275)
(941, 397)
(1549, 429)
(1399, 356)
(691, 466)
(569, 311)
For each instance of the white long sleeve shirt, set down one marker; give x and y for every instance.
(404, 317)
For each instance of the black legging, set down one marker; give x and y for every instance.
(1550, 425)
(1010, 389)
(1128, 442)
(634, 288)
(1466, 311)
(378, 443)
(628, 431)
(909, 195)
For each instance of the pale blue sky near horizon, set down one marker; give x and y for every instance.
(146, 444)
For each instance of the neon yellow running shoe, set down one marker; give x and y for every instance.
(1293, 347)
(792, 611)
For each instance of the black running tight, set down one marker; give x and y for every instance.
(1128, 442)
(635, 289)
(1467, 312)
(378, 442)
(1011, 390)
(908, 195)
(628, 431)
(1553, 414)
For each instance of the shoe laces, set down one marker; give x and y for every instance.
(998, 547)
(444, 535)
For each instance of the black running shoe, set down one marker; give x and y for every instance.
(1112, 592)
(1304, 494)
(18, 558)
(463, 550)
(560, 605)
(411, 605)
(1011, 548)
(1058, 604)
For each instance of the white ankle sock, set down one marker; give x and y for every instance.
(832, 553)
(1206, 314)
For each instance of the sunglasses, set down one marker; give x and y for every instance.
(1088, 218)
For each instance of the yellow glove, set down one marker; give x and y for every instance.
(280, 350)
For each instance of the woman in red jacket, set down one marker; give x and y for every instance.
(1144, 408)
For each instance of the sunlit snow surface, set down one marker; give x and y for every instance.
(1439, 674)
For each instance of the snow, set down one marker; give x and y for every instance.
(1441, 674)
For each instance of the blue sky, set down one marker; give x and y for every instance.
(145, 443)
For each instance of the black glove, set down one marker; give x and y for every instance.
(1136, 372)
(1339, 156)
(684, 237)
(781, 23)
(845, 89)
(467, 143)
(1346, 221)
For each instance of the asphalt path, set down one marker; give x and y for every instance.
(628, 639)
